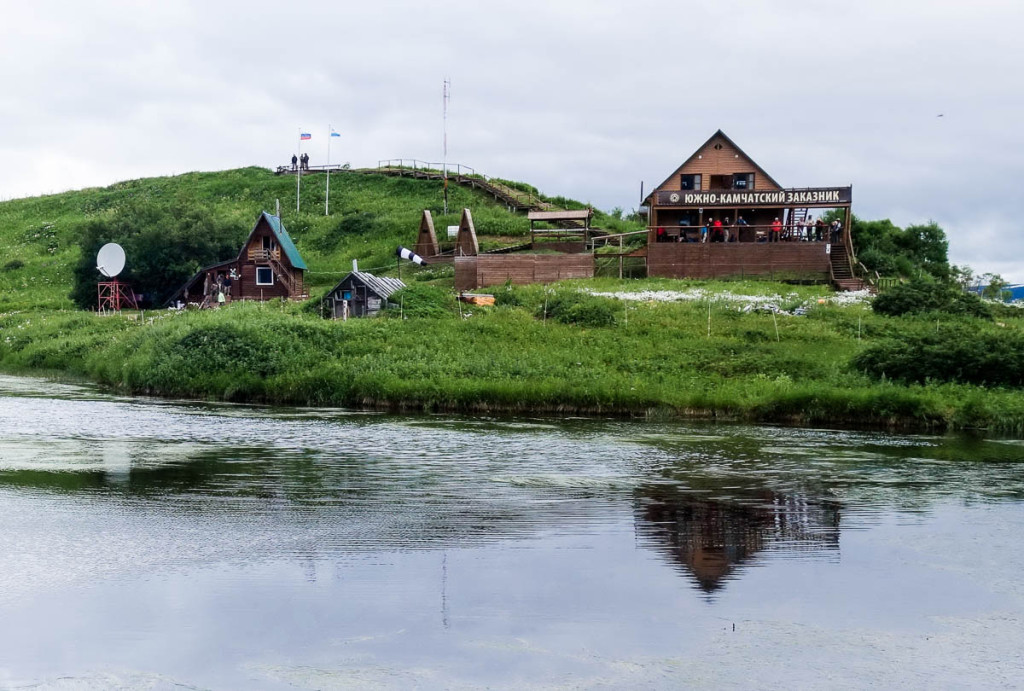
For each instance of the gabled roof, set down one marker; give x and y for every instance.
(283, 239)
(723, 135)
(381, 285)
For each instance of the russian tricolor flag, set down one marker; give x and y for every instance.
(305, 135)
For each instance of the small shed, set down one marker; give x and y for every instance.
(363, 294)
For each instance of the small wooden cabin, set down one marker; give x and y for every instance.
(364, 294)
(755, 226)
(268, 266)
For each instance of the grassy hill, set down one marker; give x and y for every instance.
(556, 349)
(370, 216)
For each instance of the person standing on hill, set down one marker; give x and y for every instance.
(295, 161)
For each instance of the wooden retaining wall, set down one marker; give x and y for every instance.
(484, 270)
(805, 260)
(568, 247)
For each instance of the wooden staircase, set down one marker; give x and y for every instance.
(514, 199)
(797, 218)
(842, 269)
(294, 284)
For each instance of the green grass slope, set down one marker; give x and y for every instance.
(370, 216)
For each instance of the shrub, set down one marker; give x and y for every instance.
(966, 353)
(920, 296)
(424, 300)
(14, 265)
(580, 309)
(507, 297)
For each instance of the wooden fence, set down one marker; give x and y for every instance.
(484, 270)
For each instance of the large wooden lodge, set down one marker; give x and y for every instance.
(721, 214)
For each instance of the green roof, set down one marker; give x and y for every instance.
(285, 241)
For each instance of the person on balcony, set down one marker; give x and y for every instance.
(741, 226)
(776, 231)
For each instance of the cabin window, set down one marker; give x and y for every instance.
(268, 243)
(689, 182)
(743, 181)
(264, 276)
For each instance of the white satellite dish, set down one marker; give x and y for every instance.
(110, 259)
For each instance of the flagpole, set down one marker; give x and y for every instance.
(298, 174)
(327, 199)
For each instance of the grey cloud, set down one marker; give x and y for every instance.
(584, 99)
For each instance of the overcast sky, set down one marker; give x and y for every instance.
(582, 98)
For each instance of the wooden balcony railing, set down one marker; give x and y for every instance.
(744, 233)
(258, 254)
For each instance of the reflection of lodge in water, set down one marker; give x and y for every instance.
(711, 538)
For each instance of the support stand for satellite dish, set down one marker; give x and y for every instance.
(112, 295)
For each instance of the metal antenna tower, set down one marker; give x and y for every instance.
(446, 94)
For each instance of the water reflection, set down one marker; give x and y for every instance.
(323, 549)
(711, 540)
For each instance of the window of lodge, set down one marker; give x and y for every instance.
(689, 182)
(743, 181)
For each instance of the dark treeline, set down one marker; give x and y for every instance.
(167, 242)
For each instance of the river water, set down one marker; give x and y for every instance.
(156, 545)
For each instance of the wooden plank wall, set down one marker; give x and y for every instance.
(566, 247)
(718, 260)
(474, 272)
(247, 288)
(724, 161)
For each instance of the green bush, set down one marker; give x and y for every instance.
(506, 296)
(966, 353)
(14, 265)
(423, 300)
(921, 296)
(580, 309)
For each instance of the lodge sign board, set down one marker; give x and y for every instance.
(813, 196)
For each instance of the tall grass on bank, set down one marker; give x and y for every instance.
(652, 358)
